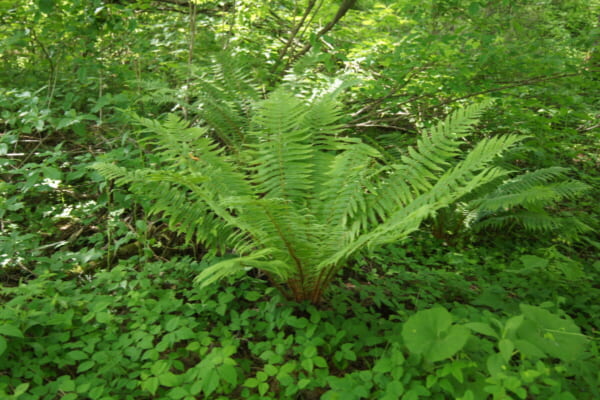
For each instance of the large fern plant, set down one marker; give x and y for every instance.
(299, 199)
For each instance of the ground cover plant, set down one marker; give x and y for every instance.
(361, 199)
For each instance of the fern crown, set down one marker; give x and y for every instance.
(294, 197)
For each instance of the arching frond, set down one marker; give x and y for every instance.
(524, 200)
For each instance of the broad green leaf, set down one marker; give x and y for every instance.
(160, 367)
(383, 365)
(430, 333)
(450, 344)
(103, 317)
(96, 392)
(556, 336)
(423, 328)
(196, 387)
(10, 330)
(307, 364)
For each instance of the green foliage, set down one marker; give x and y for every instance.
(121, 335)
(300, 199)
(97, 299)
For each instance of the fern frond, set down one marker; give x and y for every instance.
(264, 259)
(225, 100)
(425, 163)
(523, 202)
(540, 222)
(282, 148)
(345, 196)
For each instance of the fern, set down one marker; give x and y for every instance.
(525, 201)
(225, 97)
(297, 199)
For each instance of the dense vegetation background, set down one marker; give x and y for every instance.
(496, 295)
